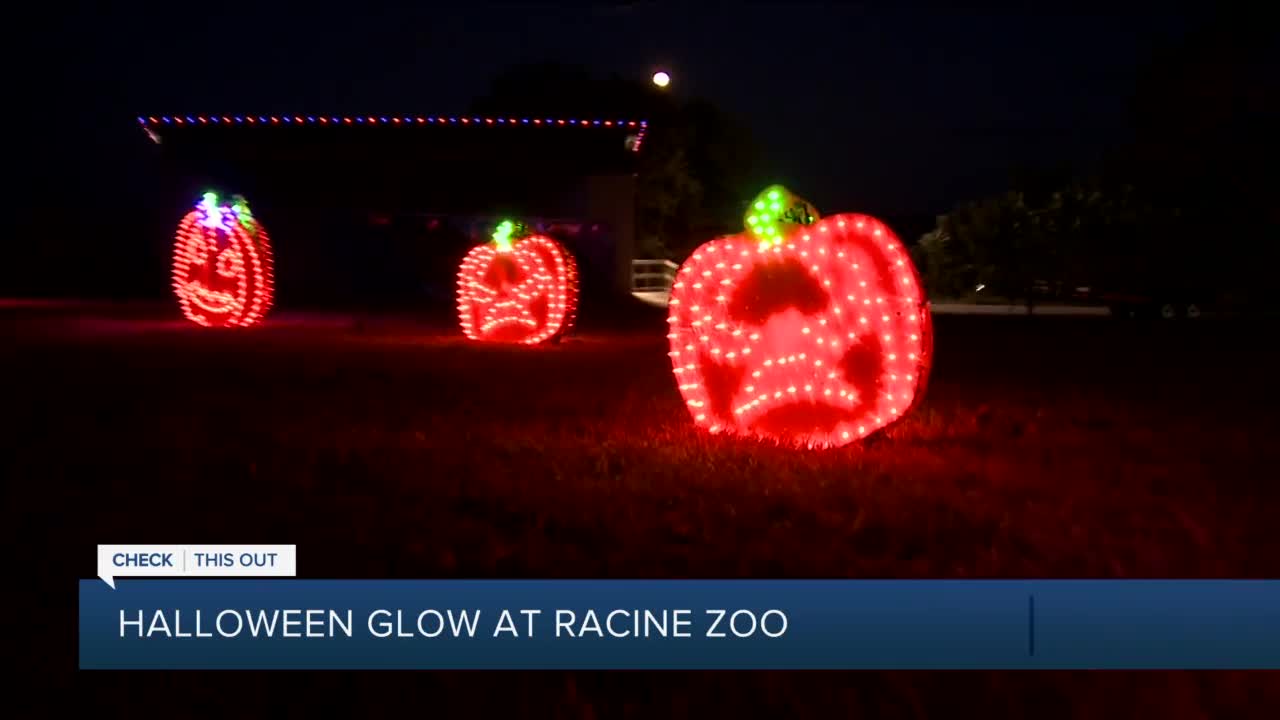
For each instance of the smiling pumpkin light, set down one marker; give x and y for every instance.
(803, 330)
(222, 266)
(518, 288)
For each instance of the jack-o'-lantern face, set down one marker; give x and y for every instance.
(517, 291)
(222, 265)
(807, 331)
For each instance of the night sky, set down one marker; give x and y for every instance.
(884, 111)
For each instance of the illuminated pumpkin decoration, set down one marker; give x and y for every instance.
(802, 330)
(519, 288)
(222, 265)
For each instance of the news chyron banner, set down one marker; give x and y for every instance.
(229, 607)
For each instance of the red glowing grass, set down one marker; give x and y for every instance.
(819, 339)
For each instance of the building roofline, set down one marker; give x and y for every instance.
(148, 122)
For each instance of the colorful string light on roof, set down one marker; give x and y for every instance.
(222, 264)
(807, 331)
(518, 288)
(639, 127)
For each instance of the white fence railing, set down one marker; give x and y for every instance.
(651, 280)
(652, 275)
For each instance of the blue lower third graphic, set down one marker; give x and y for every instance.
(679, 624)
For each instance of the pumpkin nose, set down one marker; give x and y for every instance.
(503, 274)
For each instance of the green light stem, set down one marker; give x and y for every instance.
(502, 235)
(773, 210)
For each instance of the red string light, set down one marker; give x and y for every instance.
(527, 293)
(818, 339)
(222, 267)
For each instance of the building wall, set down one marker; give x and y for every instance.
(612, 198)
(349, 212)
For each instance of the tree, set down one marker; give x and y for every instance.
(1177, 208)
(948, 266)
(696, 167)
(997, 242)
(1085, 233)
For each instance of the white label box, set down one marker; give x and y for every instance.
(118, 561)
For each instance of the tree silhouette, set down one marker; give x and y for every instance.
(1176, 209)
(696, 166)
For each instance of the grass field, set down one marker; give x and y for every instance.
(1046, 447)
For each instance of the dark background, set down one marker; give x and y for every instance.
(900, 112)
(1046, 448)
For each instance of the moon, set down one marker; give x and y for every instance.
(661, 79)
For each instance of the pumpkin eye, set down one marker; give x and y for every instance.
(226, 263)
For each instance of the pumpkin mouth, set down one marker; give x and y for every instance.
(803, 418)
(510, 319)
(214, 301)
(511, 328)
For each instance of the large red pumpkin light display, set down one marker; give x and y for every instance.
(519, 288)
(802, 330)
(222, 267)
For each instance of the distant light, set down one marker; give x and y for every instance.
(661, 79)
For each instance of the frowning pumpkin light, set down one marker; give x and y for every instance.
(518, 288)
(222, 264)
(803, 330)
